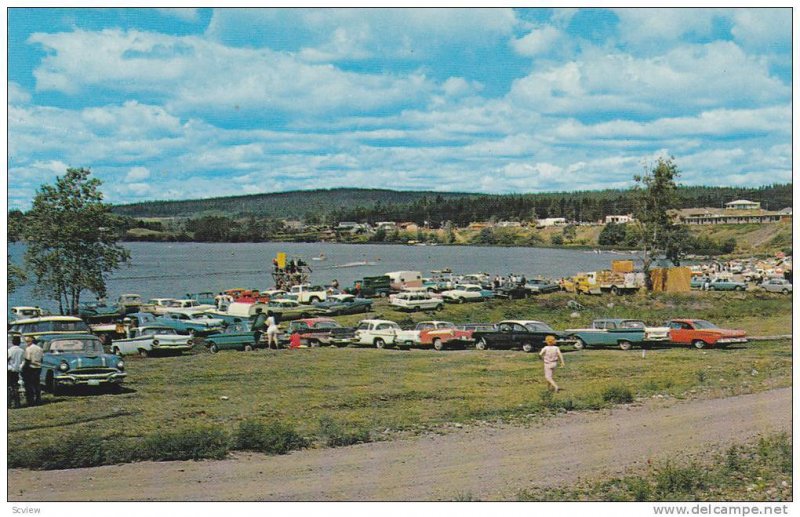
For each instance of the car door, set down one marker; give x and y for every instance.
(680, 332)
(385, 331)
(520, 335)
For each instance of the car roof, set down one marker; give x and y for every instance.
(53, 337)
(523, 322)
(376, 321)
(683, 320)
(47, 318)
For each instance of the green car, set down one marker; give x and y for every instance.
(234, 337)
(617, 332)
(284, 310)
(720, 284)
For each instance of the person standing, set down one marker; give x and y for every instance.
(259, 326)
(31, 372)
(16, 356)
(272, 332)
(551, 355)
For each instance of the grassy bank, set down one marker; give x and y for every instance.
(196, 405)
(755, 471)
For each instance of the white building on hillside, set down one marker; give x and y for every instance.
(743, 204)
(619, 219)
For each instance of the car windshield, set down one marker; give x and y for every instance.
(67, 346)
(703, 324)
(539, 327)
(157, 332)
(67, 326)
(202, 316)
(632, 324)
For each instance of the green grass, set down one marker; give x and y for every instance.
(333, 397)
(760, 470)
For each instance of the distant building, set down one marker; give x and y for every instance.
(786, 211)
(294, 225)
(743, 204)
(347, 225)
(509, 224)
(551, 221)
(478, 225)
(385, 225)
(619, 219)
(703, 216)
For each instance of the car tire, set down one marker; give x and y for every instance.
(380, 343)
(785, 291)
(143, 352)
(51, 385)
(115, 388)
(440, 307)
(579, 344)
(437, 344)
(481, 344)
(527, 347)
(699, 344)
(625, 345)
(313, 343)
(248, 348)
(461, 300)
(615, 290)
(212, 347)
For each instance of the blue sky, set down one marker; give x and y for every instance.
(190, 103)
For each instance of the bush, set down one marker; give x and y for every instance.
(678, 483)
(75, 451)
(272, 438)
(188, 444)
(333, 435)
(618, 395)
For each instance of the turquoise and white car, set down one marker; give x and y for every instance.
(150, 339)
(623, 333)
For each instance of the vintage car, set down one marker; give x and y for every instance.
(313, 331)
(539, 286)
(776, 285)
(624, 333)
(151, 339)
(45, 325)
(190, 303)
(723, 284)
(702, 333)
(415, 301)
(129, 303)
(467, 293)
(371, 286)
(183, 321)
(379, 333)
(78, 360)
(436, 334)
(23, 313)
(161, 305)
(512, 292)
(95, 310)
(337, 304)
(237, 336)
(204, 298)
(285, 310)
(526, 334)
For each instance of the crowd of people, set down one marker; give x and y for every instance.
(24, 369)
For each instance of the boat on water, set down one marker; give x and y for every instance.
(320, 257)
(355, 264)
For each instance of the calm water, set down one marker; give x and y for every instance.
(174, 269)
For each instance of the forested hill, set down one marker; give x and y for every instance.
(298, 204)
(378, 205)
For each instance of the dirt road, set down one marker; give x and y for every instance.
(486, 463)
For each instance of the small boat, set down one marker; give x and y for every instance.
(320, 257)
(354, 264)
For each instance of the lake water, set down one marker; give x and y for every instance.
(174, 269)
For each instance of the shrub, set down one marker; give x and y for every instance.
(678, 483)
(75, 451)
(333, 435)
(187, 444)
(272, 438)
(618, 394)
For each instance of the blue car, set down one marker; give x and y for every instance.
(78, 360)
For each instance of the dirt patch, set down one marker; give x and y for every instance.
(488, 463)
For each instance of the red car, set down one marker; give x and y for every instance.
(440, 334)
(701, 333)
(313, 331)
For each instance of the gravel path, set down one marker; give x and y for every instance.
(487, 463)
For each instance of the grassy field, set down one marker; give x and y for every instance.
(756, 471)
(370, 394)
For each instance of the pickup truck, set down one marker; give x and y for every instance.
(379, 333)
(438, 334)
(309, 294)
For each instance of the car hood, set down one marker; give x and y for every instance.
(77, 361)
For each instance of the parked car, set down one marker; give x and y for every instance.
(416, 301)
(238, 336)
(436, 334)
(149, 339)
(539, 286)
(526, 334)
(129, 303)
(371, 286)
(309, 293)
(337, 304)
(44, 325)
(702, 333)
(512, 292)
(24, 313)
(98, 309)
(379, 333)
(204, 298)
(190, 303)
(78, 360)
(777, 285)
(284, 310)
(722, 284)
(624, 333)
(467, 293)
(186, 321)
(313, 331)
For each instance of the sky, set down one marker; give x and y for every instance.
(194, 102)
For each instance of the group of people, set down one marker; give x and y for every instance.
(511, 279)
(24, 365)
(295, 272)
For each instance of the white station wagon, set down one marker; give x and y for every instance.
(149, 339)
(416, 301)
(376, 332)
